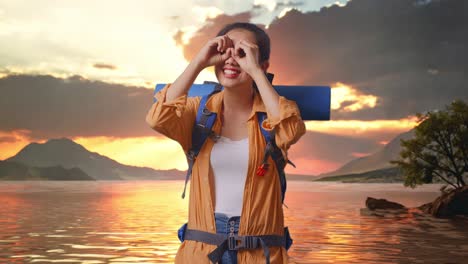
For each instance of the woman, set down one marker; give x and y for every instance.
(226, 195)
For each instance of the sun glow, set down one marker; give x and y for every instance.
(348, 99)
(358, 127)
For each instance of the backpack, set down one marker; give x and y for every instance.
(203, 129)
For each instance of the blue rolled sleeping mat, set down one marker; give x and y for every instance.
(313, 101)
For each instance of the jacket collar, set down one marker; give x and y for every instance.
(215, 102)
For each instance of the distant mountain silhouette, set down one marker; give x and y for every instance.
(300, 177)
(375, 161)
(386, 175)
(13, 171)
(69, 154)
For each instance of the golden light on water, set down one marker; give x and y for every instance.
(137, 222)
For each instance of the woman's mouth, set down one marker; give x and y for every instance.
(231, 73)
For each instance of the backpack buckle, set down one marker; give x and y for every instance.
(214, 136)
(191, 155)
(206, 112)
(246, 242)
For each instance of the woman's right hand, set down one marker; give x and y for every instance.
(215, 51)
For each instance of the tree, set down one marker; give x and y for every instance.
(439, 149)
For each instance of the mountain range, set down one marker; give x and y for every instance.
(375, 161)
(16, 171)
(65, 157)
(69, 154)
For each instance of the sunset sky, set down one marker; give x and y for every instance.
(86, 70)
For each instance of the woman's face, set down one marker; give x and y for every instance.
(229, 73)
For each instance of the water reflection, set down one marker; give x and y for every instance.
(137, 222)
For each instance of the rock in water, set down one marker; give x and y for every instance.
(454, 202)
(373, 204)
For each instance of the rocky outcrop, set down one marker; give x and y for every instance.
(382, 208)
(451, 203)
(372, 204)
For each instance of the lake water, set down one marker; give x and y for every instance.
(137, 222)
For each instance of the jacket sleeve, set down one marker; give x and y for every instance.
(174, 119)
(289, 127)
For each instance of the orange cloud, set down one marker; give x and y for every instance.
(309, 155)
(360, 128)
(14, 141)
(154, 152)
(384, 142)
(348, 99)
(359, 154)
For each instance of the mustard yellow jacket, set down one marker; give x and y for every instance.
(262, 211)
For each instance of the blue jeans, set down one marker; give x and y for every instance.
(226, 225)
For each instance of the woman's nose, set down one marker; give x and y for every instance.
(231, 60)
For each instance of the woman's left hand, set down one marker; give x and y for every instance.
(249, 62)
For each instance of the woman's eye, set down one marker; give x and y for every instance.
(241, 53)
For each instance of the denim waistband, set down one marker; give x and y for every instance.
(226, 224)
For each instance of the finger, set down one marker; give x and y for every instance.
(213, 42)
(224, 55)
(248, 49)
(250, 44)
(219, 44)
(229, 41)
(238, 50)
(223, 44)
(234, 56)
(241, 50)
(226, 43)
(227, 54)
(245, 45)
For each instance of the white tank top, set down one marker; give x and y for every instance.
(229, 160)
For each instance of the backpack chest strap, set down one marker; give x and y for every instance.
(201, 131)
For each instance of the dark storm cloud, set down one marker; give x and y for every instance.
(207, 32)
(53, 107)
(408, 53)
(321, 146)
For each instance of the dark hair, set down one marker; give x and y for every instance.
(262, 38)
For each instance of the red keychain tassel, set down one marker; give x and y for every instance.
(261, 170)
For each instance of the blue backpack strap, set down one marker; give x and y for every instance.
(276, 154)
(201, 131)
